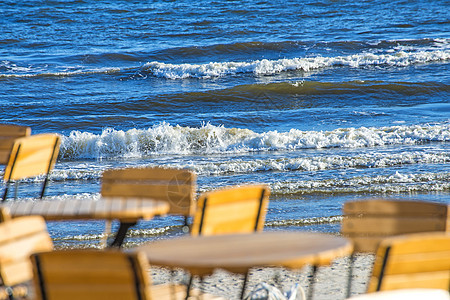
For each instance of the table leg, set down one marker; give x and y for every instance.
(311, 283)
(121, 233)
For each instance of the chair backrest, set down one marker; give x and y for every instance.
(412, 261)
(176, 186)
(91, 275)
(5, 214)
(236, 209)
(368, 222)
(31, 156)
(8, 133)
(19, 238)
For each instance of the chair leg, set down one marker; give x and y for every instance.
(5, 193)
(244, 285)
(311, 282)
(350, 275)
(189, 286)
(44, 185)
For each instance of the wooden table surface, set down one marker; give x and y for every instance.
(73, 209)
(239, 253)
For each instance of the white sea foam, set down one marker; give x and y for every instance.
(400, 58)
(168, 139)
(395, 183)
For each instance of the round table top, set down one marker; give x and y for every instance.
(240, 252)
(104, 208)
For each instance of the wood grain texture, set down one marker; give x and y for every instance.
(32, 156)
(239, 252)
(235, 209)
(412, 261)
(99, 275)
(368, 222)
(19, 238)
(8, 133)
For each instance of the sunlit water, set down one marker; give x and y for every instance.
(324, 101)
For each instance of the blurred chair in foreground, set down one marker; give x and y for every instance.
(100, 275)
(8, 133)
(19, 238)
(368, 222)
(29, 157)
(419, 260)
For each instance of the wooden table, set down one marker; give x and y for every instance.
(239, 253)
(128, 211)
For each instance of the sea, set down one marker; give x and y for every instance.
(325, 101)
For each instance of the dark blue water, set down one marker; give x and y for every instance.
(325, 101)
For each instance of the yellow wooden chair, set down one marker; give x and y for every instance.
(231, 210)
(31, 156)
(19, 238)
(419, 260)
(368, 222)
(236, 209)
(175, 186)
(8, 133)
(99, 275)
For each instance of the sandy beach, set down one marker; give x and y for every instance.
(330, 281)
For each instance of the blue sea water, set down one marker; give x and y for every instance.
(325, 101)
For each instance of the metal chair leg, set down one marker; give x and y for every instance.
(244, 285)
(350, 275)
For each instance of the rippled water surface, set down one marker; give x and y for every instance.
(325, 101)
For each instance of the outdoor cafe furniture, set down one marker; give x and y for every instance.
(19, 238)
(8, 133)
(175, 186)
(31, 156)
(90, 274)
(238, 253)
(127, 210)
(368, 222)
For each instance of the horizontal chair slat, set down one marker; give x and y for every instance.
(392, 225)
(395, 207)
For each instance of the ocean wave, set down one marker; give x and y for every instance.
(305, 64)
(393, 54)
(12, 70)
(168, 139)
(382, 184)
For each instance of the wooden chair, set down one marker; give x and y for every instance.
(99, 275)
(368, 222)
(176, 186)
(8, 133)
(31, 156)
(237, 209)
(412, 261)
(5, 215)
(19, 238)
(231, 210)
